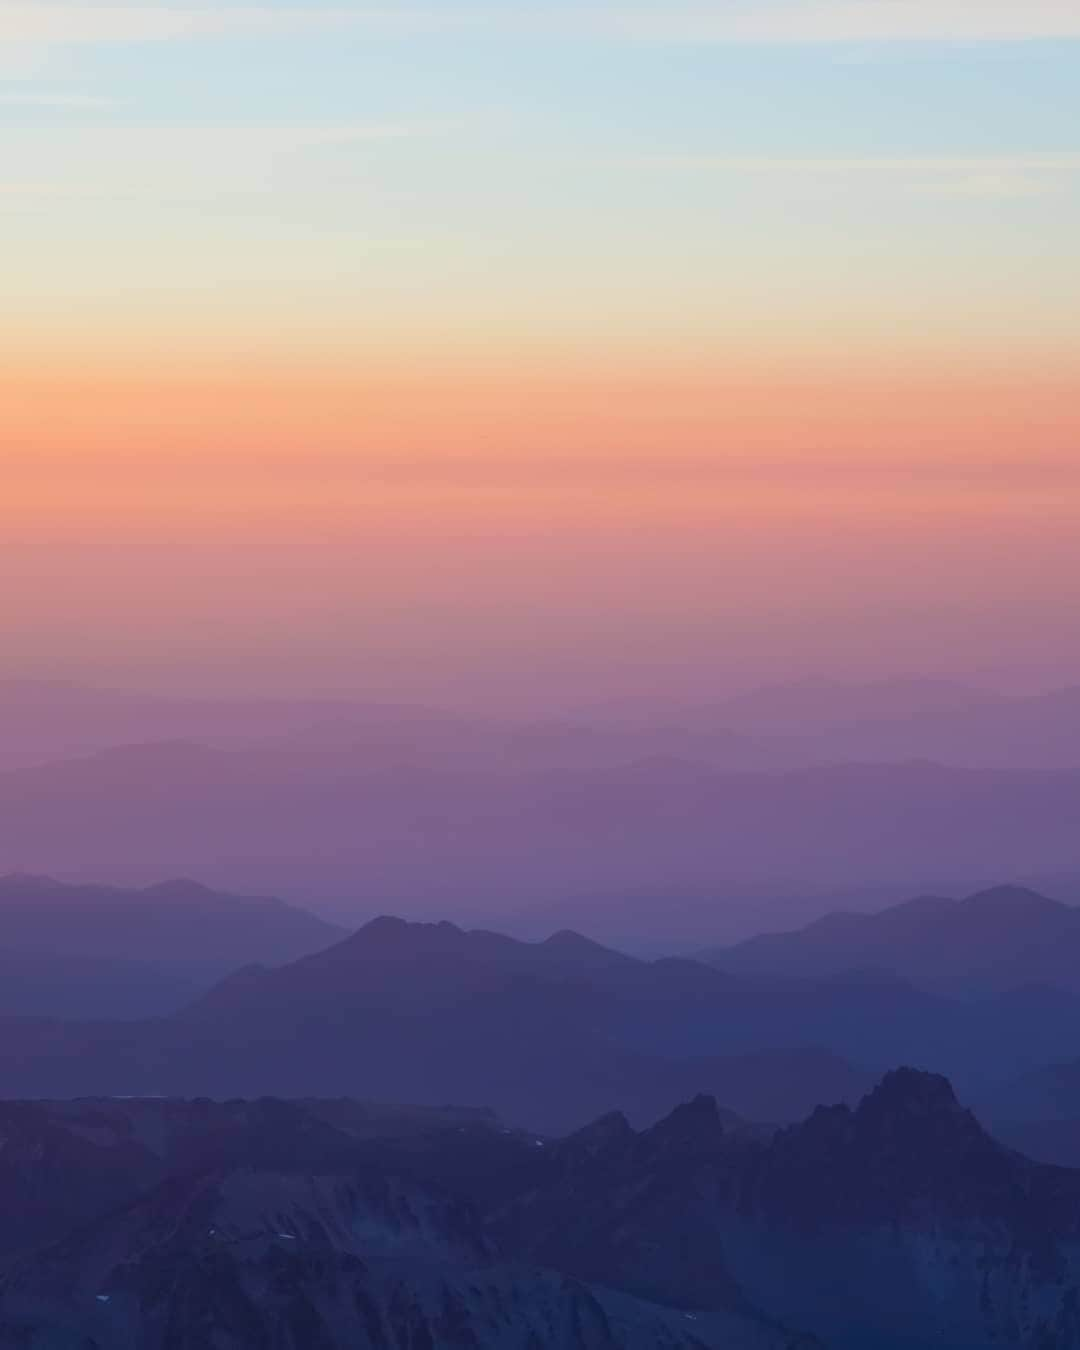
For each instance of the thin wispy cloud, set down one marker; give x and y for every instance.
(30, 99)
(76, 142)
(69, 24)
(31, 190)
(971, 175)
(723, 21)
(844, 21)
(169, 161)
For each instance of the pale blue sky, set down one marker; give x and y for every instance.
(626, 149)
(558, 242)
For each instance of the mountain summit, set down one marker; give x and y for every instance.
(998, 939)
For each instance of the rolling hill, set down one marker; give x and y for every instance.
(996, 940)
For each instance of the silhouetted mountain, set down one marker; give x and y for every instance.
(390, 963)
(896, 1223)
(998, 939)
(65, 1163)
(910, 1198)
(94, 951)
(549, 1034)
(322, 1238)
(173, 920)
(899, 1223)
(325, 1263)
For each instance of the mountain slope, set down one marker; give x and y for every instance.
(898, 1224)
(817, 707)
(64, 1163)
(433, 833)
(549, 1034)
(170, 921)
(103, 952)
(362, 1257)
(998, 939)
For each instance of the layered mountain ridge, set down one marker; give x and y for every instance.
(895, 1223)
(80, 951)
(998, 939)
(550, 1033)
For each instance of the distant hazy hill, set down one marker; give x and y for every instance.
(998, 939)
(95, 951)
(41, 721)
(1038, 731)
(813, 707)
(774, 727)
(174, 920)
(342, 823)
(56, 718)
(833, 721)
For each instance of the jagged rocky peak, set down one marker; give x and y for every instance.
(611, 1134)
(910, 1115)
(388, 933)
(693, 1128)
(919, 1113)
(613, 1125)
(911, 1093)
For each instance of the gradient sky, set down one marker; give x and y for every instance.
(528, 352)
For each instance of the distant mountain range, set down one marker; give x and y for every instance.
(348, 829)
(781, 726)
(996, 940)
(171, 1225)
(96, 951)
(814, 707)
(548, 1034)
(650, 827)
(833, 721)
(173, 920)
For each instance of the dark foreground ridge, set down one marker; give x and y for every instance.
(329, 1225)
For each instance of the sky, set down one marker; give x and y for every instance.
(534, 354)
